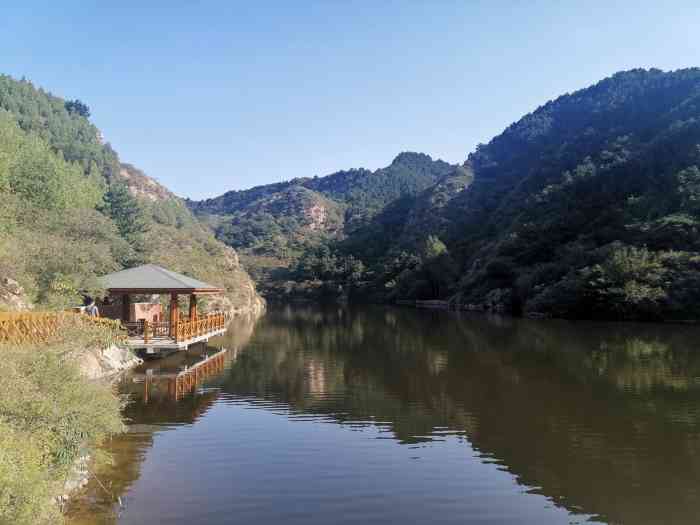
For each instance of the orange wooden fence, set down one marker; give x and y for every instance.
(183, 330)
(39, 327)
(191, 328)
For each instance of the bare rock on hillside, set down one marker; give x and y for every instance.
(97, 364)
(142, 186)
(242, 296)
(12, 296)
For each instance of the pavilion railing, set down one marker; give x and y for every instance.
(149, 330)
(198, 326)
(183, 330)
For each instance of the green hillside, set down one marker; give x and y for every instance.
(71, 211)
(587, 207)
(349, 200)
(276, 224)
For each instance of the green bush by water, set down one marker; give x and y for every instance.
(49, 414)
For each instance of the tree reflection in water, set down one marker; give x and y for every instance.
(602, 418)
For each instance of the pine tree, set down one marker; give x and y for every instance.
(129, 217)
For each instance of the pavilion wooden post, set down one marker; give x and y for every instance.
(193, 307)
(126, 307)
(174, 314)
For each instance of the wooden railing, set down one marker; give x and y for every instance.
(39, 327)
(206, 324)
(149, 330)
(183, 330)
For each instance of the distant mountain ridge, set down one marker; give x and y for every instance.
(282, 219)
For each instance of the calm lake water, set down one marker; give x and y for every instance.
(382, 415)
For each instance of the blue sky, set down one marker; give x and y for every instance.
(219, 95)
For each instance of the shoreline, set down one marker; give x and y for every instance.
(108, 365)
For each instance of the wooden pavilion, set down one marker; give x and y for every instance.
(152, 332)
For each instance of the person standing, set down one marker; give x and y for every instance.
(91, 309)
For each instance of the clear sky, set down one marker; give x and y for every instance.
(217, 95)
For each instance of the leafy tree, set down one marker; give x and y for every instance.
(125, 211)
(78, 107)
(689, 190)
(432, 248)
(130, 220)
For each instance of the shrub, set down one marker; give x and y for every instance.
(48, 414)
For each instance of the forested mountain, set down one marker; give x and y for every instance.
(71, 211)
(406, 222)
(588, 206)
(273, 225)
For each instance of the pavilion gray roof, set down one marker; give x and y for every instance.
(150, 278)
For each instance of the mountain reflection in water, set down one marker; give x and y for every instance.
(487, 420)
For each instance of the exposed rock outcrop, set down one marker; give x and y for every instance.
(242, 298)
(97, 364)
(142, 186)
(78, 477)
(12, 296)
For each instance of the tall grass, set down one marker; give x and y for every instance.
(49, 414)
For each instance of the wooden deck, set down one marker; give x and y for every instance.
(155, 337)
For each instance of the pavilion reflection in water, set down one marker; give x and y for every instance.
(177, 375)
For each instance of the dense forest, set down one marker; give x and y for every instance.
(71, 211)
(587, 207)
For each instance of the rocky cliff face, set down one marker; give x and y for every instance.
(142, 186)
(243, 298)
